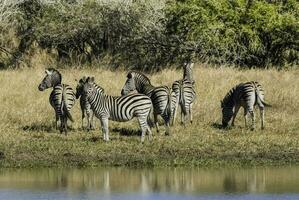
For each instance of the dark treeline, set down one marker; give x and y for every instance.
(150, 34)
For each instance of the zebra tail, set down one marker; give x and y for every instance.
(266, 104)
(65, 111)
(169, 102)
(150, 118)
(260, 99)
(182, 99)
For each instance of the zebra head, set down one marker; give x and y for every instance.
(52, 78)
(227, 113)
(79, 88)
(188, 68)
(129, 85)
(90, 88)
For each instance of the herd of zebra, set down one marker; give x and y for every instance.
(140, 99)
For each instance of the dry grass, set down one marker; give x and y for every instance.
(28, 137)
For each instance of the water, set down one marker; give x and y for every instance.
(149, 184)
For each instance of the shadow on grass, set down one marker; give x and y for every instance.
(219, 126)
(40, 127)
(36, 127)
(127, 132)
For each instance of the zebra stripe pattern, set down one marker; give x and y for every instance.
(188, 71)
(62, 97)
(84, 105)
(161, 96)
(184, 94)
(123, 108)
(245, 95)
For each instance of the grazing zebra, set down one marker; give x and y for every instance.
(121, 109)
(160, 96)
(184, 94)
(84, 105)
(246, 95)
(62, 97)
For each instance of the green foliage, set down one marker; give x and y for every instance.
(252, 33)
(146, 35)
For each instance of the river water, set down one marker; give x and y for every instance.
(167, 183)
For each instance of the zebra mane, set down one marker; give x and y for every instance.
(97, 87)
(141, 74)
(55, 71)
(227, 100)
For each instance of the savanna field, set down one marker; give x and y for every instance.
(28, 137)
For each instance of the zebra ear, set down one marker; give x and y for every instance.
(92, 79)
(84, 79)
(48, 72)
(129, 75)
(191, 65)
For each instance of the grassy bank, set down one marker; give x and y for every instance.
(28, 137)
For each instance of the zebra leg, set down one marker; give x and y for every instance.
(245, 116)
(105, 130)
(175, 109)
(190, 113)
(61, 124)
(166, 121)
(251, 112)
(57, 121)
(91, 120)
(174, 115)
(262, 113)
(83, 116)
(65, 125)
(237, 107)
(156, 122)
(183, 116)
(143, 126)
(88, 120)
(150, 135)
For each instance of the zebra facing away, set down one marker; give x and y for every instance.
(184, 94)
(245, 95)
(62, 97)
(84, 105)
(161, 96)
(121, 109)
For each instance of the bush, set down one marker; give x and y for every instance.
(251, 33)
(148, 35)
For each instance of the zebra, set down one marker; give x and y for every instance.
(161, 96)
(62, 97)
(188, 71)
(184, 94)
(121, 109)
(84, 105)
(245, 95)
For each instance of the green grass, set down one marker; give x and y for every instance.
(28, 137)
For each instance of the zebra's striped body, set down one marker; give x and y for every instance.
(245, 95)
(123, 108)
(62, 97)
(84, 105)
(160, 96)
(184, 94)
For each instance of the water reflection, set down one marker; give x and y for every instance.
(143, 181)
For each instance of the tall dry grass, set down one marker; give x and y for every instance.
(28, 137)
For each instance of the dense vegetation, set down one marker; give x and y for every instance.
(148, 34)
